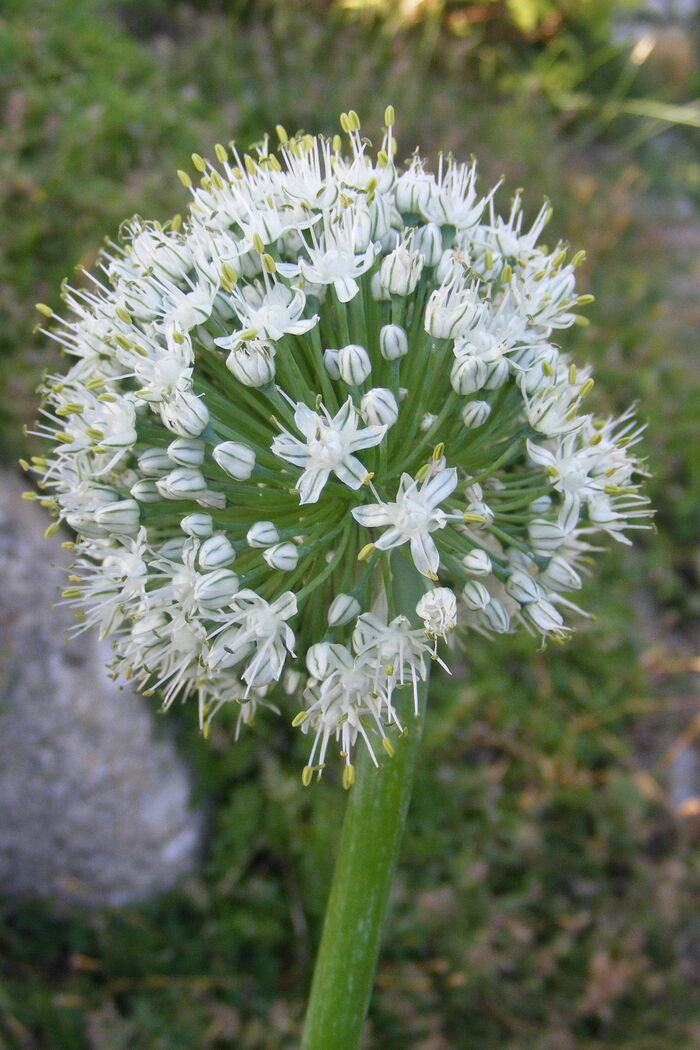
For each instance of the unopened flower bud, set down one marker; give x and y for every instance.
(216, 589)
(495, 617)
(330, 360)
(393, 342)
(252, 363)
(521, 586)
(468, 374)
(475, 595)
(198, 524)
(182, 483)
(353, 364)
(187, 452)
(475, 413)
(477, 563)
(154, 461)
(215, 552)
(262, 534)
(186, 415)
(428, 241)
(400, 270)
(379, 408)
(236, 459)
(282, 556)
(343, 608)
(122, 517)
(146, 491)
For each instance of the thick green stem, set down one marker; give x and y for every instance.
(369, 846)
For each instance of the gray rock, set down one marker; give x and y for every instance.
(94, 805)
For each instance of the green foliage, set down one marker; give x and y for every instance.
(545, 899)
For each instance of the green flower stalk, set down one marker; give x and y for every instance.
(333, 369)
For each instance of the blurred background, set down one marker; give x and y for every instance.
(548, 895)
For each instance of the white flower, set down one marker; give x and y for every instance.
(438, 611)
(252, 362)
(401, 269)
(412, 517)
(269, 312)
(256, 631)
(330, 442)
(184, 355)
(333, 257)
(453, 308)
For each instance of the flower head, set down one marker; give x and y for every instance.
(334, 366)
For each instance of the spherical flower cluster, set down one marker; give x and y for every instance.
(334, 365)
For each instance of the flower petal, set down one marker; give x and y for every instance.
(372, 515)
(425, 554)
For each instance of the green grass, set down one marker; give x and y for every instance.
(547, 897)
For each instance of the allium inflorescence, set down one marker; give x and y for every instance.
(332, 358)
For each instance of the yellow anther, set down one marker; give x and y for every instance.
(596, 439)
(547, 368)
(336, 143)
(184, 179)
(488, 259)
(388, 746)
(258, 243)
(250, 165)
(221, 154)
(587, 387)
(269, 263)
(273, 163)
(44, 309)
(199, 162)
(572, 374)
(422, 472)
(471, 518)
(281, 134)
(382, 159)
(366, 551)
(581, 321)
(368, 477)
(249, 333)
(344, 122)
(299, 717)
(306, 775)
(348, 776)
(71, 592)
(216, 180)
(582, 300)
(389, 116)
(52, 530)
(353, 120)
(559, 258)
(506, 273)
(95, 433)
(438, 451)
(31, 496)
(578, 258)
(63, 436)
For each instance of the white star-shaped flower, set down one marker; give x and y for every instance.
(412, 517)
(329, 444)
